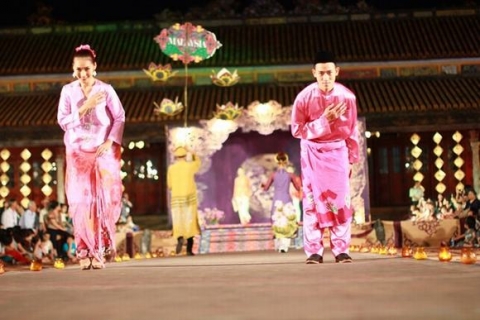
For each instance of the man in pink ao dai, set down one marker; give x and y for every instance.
(324, 117)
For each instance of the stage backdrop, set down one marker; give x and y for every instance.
(255, 153)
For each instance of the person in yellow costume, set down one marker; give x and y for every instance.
(183, 198)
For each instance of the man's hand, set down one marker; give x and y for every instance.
(333, 112)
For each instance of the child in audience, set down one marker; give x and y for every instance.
(70, 249)
(48, 251)
(469, 238)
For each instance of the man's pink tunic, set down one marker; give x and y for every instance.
(327, 150)
(93, 184)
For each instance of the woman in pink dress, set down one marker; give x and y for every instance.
(93, 119)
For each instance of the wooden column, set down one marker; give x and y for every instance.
(475, 145)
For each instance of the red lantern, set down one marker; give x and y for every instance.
(406, 252)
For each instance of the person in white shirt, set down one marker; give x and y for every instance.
(29, 217)
(10, 215)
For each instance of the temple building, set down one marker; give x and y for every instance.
(416, 76)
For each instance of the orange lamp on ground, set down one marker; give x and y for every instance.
(444, 254)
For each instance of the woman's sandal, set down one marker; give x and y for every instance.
(97, 264)
(85, 263)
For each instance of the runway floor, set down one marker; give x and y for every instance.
(248, 285)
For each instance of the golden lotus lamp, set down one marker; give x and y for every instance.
(420, 254)
(468, 256)
(118, 259)
(125, 257)
(159, 72)
(225, 78)
(168, 107)
(2, 268)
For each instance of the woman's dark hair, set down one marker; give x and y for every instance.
(84, 51)
(52, 205)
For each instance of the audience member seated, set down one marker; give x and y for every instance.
(58, 233)
(469, 238)
(70, 250)
(44, 249)
(11, 248)
(29, 219)
(472, 205)
(66, 220)
(10, 214)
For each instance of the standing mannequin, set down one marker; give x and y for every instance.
(242, 191)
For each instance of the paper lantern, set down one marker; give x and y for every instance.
(420, 254)
(468, 256)
(444, 254)
(59, 264)
(36, 265)
(392, 251)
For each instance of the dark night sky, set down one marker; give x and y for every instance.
(15, 12)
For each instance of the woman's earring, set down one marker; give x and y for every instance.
(73, 75)
(94, 73)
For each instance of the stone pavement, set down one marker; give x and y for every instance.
(248, 285)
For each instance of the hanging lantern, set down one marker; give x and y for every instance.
(420, 254)
(444, 254)
(468, 256)
(224, 78)
(168, 107)
(406, 252)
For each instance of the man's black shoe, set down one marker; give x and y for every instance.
(314, 259)
(343, 258)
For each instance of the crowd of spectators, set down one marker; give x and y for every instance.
(31, 234)
(463, 205)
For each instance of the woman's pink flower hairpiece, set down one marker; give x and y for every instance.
(86, 47)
